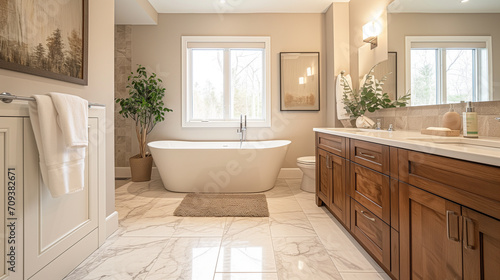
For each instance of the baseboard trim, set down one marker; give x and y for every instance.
(285, 173)
(111, 223)
(290, 173)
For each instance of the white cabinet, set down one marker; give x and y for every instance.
(59, 233)
(11, 199)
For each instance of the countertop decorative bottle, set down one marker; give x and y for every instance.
(452, 120)
(470, 121)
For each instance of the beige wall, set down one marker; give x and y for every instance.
(159, 48)
(100, 82)
(401, 25)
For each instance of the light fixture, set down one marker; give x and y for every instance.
(301, 81)
(370, 32)
(309, 71)
(464, 1)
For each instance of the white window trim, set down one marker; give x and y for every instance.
(225, 39)
(442, 39)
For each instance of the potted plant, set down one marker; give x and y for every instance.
(370, 96)
(145, 106)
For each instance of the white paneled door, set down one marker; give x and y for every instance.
(59, 232)
(11, 199)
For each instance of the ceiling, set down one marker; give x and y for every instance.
(444, 6)
(146, 11)
(242, 6)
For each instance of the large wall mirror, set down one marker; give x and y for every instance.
(448, 51)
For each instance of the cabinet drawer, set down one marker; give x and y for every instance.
(474, 185)
(371, 155)
(371, 189)
(331, 143)
(372, 233)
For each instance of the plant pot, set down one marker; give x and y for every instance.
(141, 168)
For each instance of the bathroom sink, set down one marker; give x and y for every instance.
(462, 142)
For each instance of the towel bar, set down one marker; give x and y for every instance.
(7, 98)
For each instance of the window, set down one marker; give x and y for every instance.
(223, 78)
(444, 69)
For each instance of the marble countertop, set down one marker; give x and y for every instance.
(484, 150)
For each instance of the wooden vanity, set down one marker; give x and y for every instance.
(418, 214)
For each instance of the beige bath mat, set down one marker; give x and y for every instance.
(223, 205)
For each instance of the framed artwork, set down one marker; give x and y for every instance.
(389, 68)
(299, 81)
(45, 38)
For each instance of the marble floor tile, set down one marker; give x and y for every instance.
(163, 207)
(283, 205)
(298, 241)
(200, 227)
(246, 276)
(126, 258)
(365, 276)
(186, 258)
(307, 202)
(246, 246)
(290, 224)
(294, 185)
(155, 226)
(345, 252)
(303, 258)
(279, 192)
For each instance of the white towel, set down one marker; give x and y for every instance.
(339, 92)
(62, 167)
(73, 118)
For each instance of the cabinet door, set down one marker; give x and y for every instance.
(59, 232)
(337, 170)
(481, 240)
(323, 176)
(430, 228)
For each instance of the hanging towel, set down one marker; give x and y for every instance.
(339, 92)
(62, 167)
(73, 118)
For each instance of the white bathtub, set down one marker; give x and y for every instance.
(218, 166)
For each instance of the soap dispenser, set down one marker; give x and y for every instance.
(470, 121)
(452, 120)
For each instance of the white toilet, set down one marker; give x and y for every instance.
(308, 167)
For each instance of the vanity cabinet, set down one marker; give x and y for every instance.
(331, 170)
(353, 181)
(449, 218)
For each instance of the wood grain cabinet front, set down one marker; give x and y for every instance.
(331, 188)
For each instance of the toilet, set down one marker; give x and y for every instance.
(308, 167)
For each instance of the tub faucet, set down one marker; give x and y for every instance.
(242, 131)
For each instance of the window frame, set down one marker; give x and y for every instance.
(440, 79)
(186, 94)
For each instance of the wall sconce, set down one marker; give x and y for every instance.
(301, 81)
(309, 71)
(370, 32)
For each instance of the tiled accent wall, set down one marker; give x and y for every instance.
(124, 128)
(419, 117)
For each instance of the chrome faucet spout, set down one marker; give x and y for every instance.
(242, 130)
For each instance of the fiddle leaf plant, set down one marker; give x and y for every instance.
(370, 96)
(144, 105)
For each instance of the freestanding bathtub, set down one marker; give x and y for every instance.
(218, 167)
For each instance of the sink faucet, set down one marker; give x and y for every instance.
(390, 128)
(242, 131)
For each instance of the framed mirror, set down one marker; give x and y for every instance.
(448, 51)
